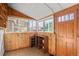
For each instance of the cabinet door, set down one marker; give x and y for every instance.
(66, 32)
(51, 43)
(7, 42)
(11, 41)
(50, 46)
(26, 39)
(23, 40)
(14, 41)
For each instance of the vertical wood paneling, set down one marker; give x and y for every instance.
(3, 14)
(15, 41)
(15, 13)
(51, 44)
(66, 33)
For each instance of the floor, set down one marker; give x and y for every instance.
(26, 52)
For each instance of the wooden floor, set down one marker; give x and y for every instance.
(26, 52)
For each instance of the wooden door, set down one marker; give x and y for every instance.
(60, 30)
(65, 29)
(71, 31)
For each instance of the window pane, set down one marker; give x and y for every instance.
(30, 25)
(66, 17)
(62, 20)
(71, 16)
(21, 25)
(34, 25)
(40, 26)
(16, 24)
(48, 25)
(59, 19)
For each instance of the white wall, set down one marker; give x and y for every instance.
(1, 42)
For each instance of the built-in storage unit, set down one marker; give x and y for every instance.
(67, 30)
(15, 41)
(46, 28)
(49, 41)
(37, 41)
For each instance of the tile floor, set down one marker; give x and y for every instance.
(26, 52)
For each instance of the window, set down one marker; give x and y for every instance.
(71, 16)
(23, 25)
(10, 25)
(48, 25)
(66, 17)
(40, 26)
(16, 25)
(34, 25)
(62, 20)
(59, 19)
(30, 25)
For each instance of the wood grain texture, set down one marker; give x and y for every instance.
(6, 11)
(15, 13)
(3, 14)
(51, 44)
(15, 41)
(66, 33)
(77, 46)
(51, 41)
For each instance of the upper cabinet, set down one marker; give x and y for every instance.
(3, 14)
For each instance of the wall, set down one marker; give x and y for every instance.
(3, 15)
(78, 32)
(1, 42)
(15, 13)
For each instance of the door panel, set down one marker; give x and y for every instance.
(61, 41)
(70, 37)
(66, 32)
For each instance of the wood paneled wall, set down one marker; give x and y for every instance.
(6, 11)
(78, 32)
(3, 14)
(15, 13)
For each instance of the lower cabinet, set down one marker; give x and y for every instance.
(15, 41)
(51, 44)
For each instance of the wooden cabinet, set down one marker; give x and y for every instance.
(3, 14)
(15, 41)
(66, 29)
(51, 44)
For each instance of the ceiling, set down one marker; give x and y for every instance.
(39, 10)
